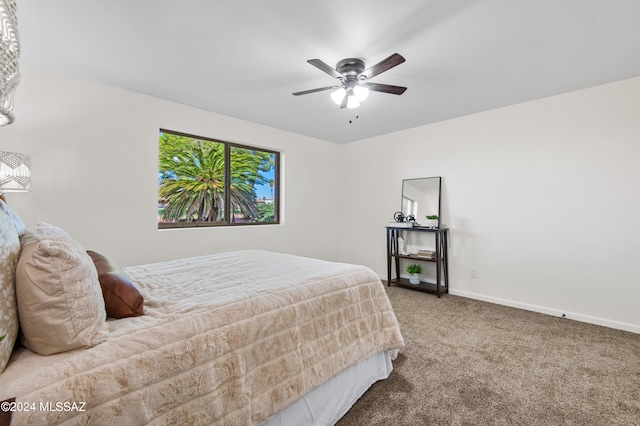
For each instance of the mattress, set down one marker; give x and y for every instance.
(231, 338)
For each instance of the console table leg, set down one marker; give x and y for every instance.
(389, 248)
(438, 264)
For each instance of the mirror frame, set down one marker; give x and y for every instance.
(439, 188)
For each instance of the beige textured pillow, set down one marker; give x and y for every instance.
(60, 303)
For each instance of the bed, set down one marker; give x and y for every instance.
(246, 338)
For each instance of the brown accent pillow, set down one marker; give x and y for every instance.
(5, 416)
(121, 296)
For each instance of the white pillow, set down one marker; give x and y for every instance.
(60, 302)
(9, 252)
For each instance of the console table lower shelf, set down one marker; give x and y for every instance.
(423, 286)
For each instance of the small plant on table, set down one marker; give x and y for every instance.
(415, 271)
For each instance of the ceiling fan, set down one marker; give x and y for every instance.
(353, 86)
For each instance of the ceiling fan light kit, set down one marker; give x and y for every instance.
(338, 95)
(353, 87)
(354, 95)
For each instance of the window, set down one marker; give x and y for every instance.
(409, 206)
(206, 182)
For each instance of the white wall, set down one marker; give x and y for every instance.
(541, 197)
(524, 189)
(94, 156)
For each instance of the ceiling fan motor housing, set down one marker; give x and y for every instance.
(350, 68)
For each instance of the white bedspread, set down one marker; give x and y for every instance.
(230, 338)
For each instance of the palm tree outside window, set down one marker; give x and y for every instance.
(207, 182)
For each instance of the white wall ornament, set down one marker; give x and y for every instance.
(9, 53)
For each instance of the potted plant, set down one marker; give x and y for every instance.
(432, 221)
(415, 271)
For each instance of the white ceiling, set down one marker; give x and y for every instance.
(244, 58)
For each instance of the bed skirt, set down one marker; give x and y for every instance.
(327, 403)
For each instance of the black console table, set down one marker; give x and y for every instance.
(441, 259)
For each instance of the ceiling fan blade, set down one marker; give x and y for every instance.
(321, 89)
(384, 65)
(324, 67)
(386, 88)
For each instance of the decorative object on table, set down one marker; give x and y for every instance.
(15, 172)
(9, 53)
(432, 221)
(402, 247)
(415, 270)
(400, 221)
(426, 254)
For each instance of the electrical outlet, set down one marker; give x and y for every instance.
(473, 272)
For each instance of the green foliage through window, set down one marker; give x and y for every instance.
(204, 182)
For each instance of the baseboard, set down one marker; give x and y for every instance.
(543, 310)
(554, 312)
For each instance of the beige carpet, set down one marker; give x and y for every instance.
(468, 362)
